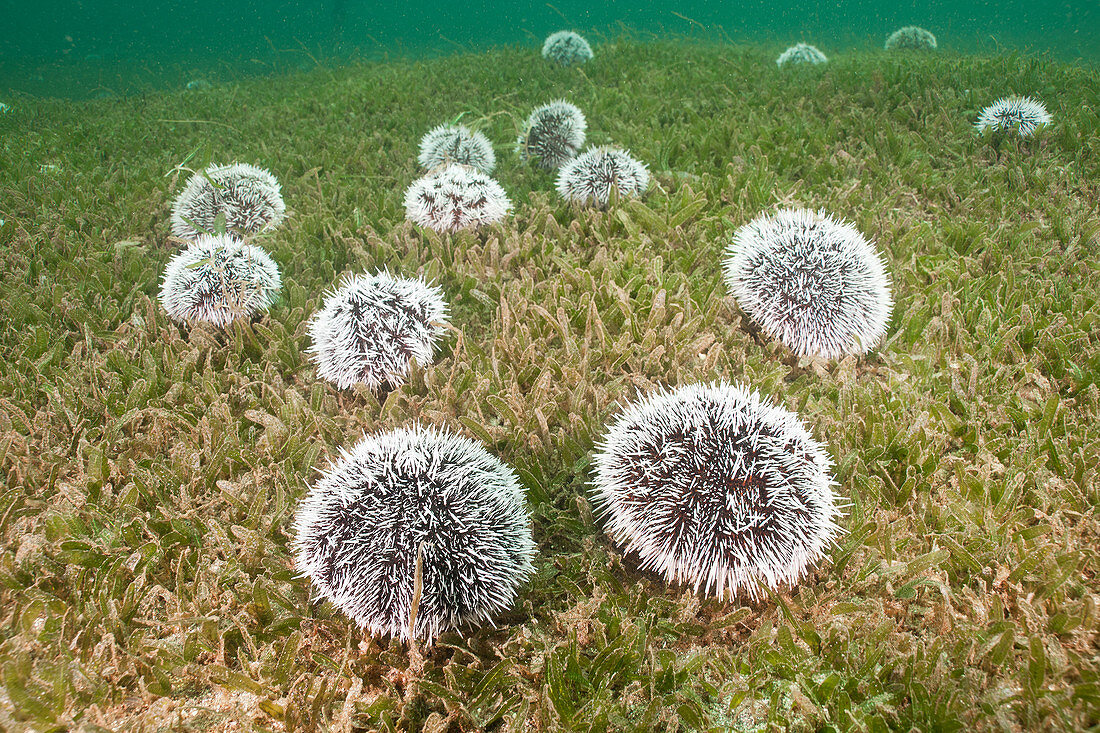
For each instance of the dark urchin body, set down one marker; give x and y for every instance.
(373, 327)
(810, 281)
(410, 491)
(250, 198)
(717, 488)
(553, 135)
(218, 280)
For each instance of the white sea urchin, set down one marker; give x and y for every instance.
(1024, 115)
(553, 134)
(591, 178)
(373, 327)
(566, 48)
(801, 53)
(218, 279)
(714, 486)
(810, 281)
(410, 493)
(455, 197)
(911, 38)
(456, 144)
(250, 198)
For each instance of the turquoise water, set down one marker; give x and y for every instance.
(47, 45)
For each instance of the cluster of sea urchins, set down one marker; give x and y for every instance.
(414, 532)
(715, 487)
(372, 328)
(801, 53)
(811, 282)
(1023, 115)
(249, 198)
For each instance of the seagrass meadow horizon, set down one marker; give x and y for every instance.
(151, 470)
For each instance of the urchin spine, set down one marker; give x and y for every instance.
(408, 494)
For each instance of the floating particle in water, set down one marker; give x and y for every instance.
(801, 53)
(455, 197)
(597, 175)
(408, 499)
(566, 48)
(218, 279)
(249, 198)
(716, 487)
(1023, 115)
(553, 135)
(811, 282)
(373, 327)
(911, 38)
(456, 144)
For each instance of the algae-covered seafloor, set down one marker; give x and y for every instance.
(152, 470)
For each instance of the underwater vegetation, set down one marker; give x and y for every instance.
(413, 532)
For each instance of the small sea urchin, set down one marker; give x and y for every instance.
(810, 281)
(801, 53)
(455, 197)
(1022, 115)
(553, 135)
(600, 173)
(249, 198)
(408, 499)
(218, 279)
(714, 486)
(456, 144)
(911, 38)
(566, 48)
(373, 327)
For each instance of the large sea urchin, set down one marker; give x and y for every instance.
(218, 279)
(553, 135)
(373, 327)
(455, 197)
(407, 493)
(1024, 115)
(911, 38)
(566, 48)
(250, 198)
(810, 281)
(714, 486)
(456, 144)
(592, 178)
(801, 53)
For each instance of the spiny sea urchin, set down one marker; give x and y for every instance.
(553, 135)
(407, 493)
(566, 48)
(810, 281)
(455, 197)
(1024, 115)
(714, 486)
(801, 53)
(911, 38)
(591, 178)
(250, 198)
(218, 279)
(373, 327)
(456, 144)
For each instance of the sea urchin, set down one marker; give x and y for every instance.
(456, 144)
(218, 279)
(600, 173)
(1024, 115)
(373, 327)
(566, 48)
(714, 486)
(801, 53)
(410, 498)
(553, 134)
(249, 198)
(455, 197)
(810, 281)
(911, 38)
